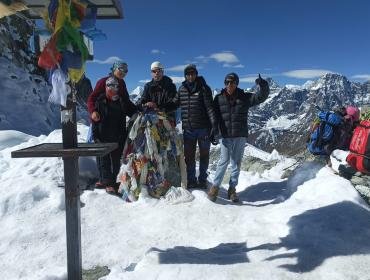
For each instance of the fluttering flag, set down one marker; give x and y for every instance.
(66, 50)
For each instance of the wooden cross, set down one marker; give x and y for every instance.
(70, 150)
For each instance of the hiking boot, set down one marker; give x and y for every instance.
(99, 185)
(212, 194)
(203, 184)
(231, 194)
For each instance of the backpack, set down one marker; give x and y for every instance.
(325, 133)
(359, 156)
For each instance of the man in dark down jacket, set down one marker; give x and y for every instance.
(231, 107)
(198, 119)
(112, 108)
(160, 92)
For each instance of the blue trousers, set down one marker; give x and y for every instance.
(232, 149)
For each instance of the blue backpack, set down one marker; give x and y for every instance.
(325, 133)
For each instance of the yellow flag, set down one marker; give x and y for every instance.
(63, 15)
(76, 74)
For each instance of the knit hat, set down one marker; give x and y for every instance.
(120, 65)
(190, 68)
(155, 65)
(232, 77)
(354, 112)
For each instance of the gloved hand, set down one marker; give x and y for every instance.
(261, 82)
(214, 136)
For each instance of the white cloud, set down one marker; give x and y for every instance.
(144, 81)
(248, 79)
(202, 58)
(228, 59)
(365, 77)
(155, 51)
(180, 68)
(224, 57)
(177, 79)
(306, 73)
(228, 65)
(109, 60)
(177, 68)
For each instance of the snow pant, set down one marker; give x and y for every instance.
(232, 149)
(109, 166)
(191, 138)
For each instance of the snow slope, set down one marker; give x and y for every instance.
(312, 226)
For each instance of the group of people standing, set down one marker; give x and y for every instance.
(205, 120)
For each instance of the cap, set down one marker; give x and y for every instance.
(155, 65)
(190, 68)
(232, 77)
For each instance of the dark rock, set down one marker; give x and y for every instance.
(95, 273)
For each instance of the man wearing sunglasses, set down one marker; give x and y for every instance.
(198, 119)
(231, 107)
(160, 92)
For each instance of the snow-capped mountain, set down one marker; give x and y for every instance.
(23, 90)
(136, 93)
(282, 122)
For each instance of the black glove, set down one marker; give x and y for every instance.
(214, 136)
(261, 82)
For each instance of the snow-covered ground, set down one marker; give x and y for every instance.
(312, 226)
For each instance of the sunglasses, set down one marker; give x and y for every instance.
(123, 70)
(192, 73)
(230, 82)
(113, 86)
(155, 71)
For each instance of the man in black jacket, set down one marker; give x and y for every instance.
(231, 107)
(160, 92)
(198, 119)
(111, 127)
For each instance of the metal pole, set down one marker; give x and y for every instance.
(72, 192)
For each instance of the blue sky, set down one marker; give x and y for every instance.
(291, 41)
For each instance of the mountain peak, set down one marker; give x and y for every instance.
(334, 77)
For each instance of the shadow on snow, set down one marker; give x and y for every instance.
(274, 192)
(340, 229)
(223, 254)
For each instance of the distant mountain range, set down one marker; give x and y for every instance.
(280, 123)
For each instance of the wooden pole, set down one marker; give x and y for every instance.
(72, 192)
